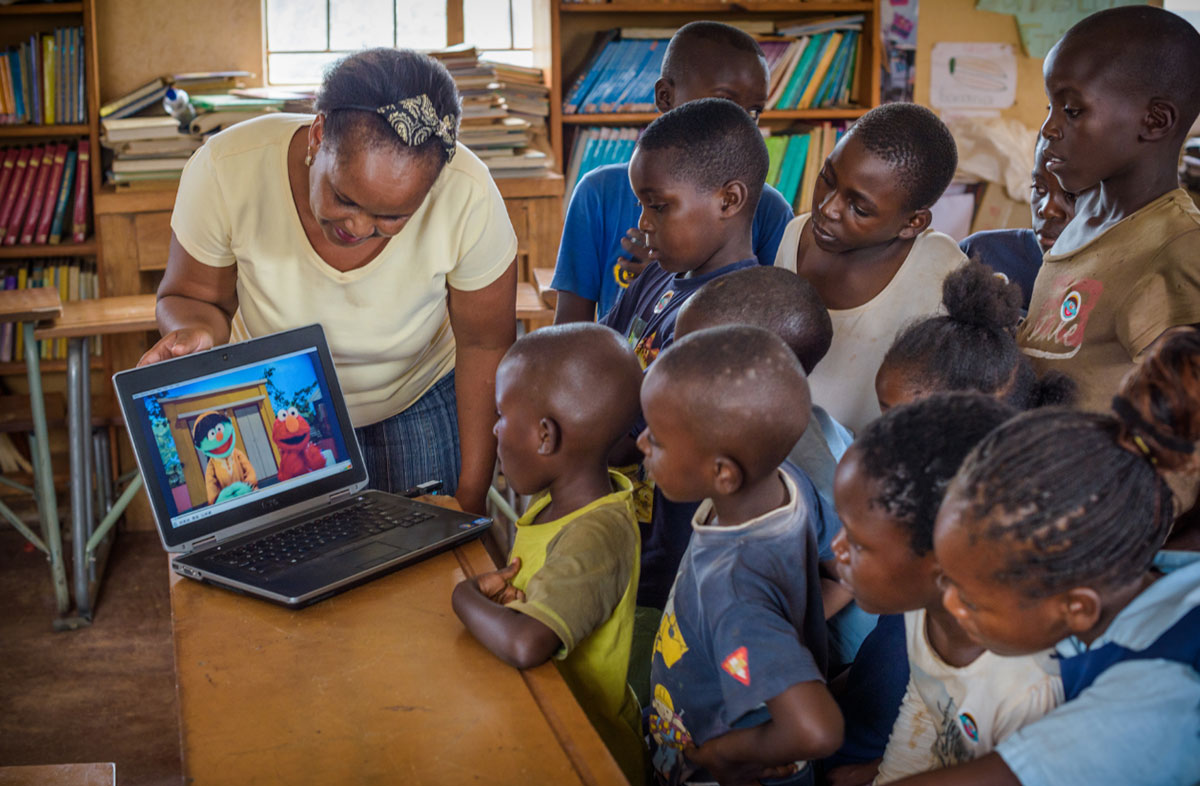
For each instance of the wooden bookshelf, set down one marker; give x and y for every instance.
(43, 132)
(41, 9)
(564, 32)
(84, 249)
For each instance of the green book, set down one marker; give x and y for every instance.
(776, 147)
(803, 72)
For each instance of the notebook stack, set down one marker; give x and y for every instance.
(148, 150)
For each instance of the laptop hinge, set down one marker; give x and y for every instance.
(338, 496)
(202, 542)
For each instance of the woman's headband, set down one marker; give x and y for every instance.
(415, 121)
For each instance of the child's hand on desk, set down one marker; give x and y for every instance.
(497, 585)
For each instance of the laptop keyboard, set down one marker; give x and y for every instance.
(319, 536)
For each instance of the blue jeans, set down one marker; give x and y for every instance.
(416, 445)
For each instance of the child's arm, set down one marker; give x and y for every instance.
(987, 770)
(805, 724)
(834, 597)
(517, 639)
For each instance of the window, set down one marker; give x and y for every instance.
(305, 36)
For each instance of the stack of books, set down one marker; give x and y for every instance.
(796, 160)
(146, 149)
(75, 279)
(42, 79)
(148, 97)
(502, 139)
(44, 193)
(598, 146)
(812, 66)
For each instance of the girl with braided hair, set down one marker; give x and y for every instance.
(370, 218)
(1052, 532)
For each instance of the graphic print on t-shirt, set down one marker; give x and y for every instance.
(1056, 332)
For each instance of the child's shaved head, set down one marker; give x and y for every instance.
(697, 37)
(584, 376)
(1146, 51)
(712, 60)
(771, 298)
(741, 390)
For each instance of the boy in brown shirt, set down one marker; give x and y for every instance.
(1123, 95)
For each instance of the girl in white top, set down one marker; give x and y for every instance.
(370, 219)
(868, 250)
(960, 700)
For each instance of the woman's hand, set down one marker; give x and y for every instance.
(177, 343)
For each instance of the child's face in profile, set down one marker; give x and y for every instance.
(674, 460)
(1093, 124)
(517, 432)
(1053, 208)
(995, 614)
(874, 552)
(858, 201)
(682, 223)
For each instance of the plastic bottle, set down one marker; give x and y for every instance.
(177, 105)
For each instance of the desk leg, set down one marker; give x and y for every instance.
(43, 473)
(79, 422)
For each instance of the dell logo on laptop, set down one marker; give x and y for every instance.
(269, 504)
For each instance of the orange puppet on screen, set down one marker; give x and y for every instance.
(297, 453)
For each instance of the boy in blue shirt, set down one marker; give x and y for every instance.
(602, 249)
(697, 171)
(738, 671)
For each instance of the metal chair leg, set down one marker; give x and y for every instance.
(43, 473)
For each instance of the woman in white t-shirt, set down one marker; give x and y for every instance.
(370, 219)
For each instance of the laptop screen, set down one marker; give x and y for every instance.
(245, 433)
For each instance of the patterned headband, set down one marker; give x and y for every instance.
(415, 121)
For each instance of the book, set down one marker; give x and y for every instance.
(129, 128)
(79, 225)
(819, 70)
(35, 79)
(788, 63)
(181, 146)
(225, 102)
(37, 197)
(21, 205)
(776, 146)
(812, 167)
(64, 198)
(6, 103)
(14, 61)
(804, 69)
(149, 165)
(594, 61)
(8, 166)
(9, 202)
(215, 121)
(48, 86)
(22, 283)
(50, 198)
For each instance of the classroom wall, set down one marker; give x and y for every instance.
(958, 21)
(142, 39)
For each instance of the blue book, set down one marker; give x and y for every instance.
(630, 78)
(804, 69)
(643, 99)
(797, 155)
(589, 151)
(63, 201)
(583, 83)
(80, 81)
(833, 79)
(35, 81)
(14, 66)
(622, 51)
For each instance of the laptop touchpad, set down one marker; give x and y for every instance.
(371, 554)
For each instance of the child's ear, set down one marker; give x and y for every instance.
(664, 94)
(734, 196)
(917, 223)
(1081, 609)
(1160, 120)
(727, 475)
(549, 437)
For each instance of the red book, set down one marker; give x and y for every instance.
(14, 186)
(7, 166)
(38, 198)
(83, 191)
(22, 203)
(51, 197)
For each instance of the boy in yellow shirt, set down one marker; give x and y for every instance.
(565, 395)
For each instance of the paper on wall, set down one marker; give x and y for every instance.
(973, 76)
(1043, 22)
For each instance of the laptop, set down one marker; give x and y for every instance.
(257, 481)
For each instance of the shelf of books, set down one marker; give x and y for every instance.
(75, 279)
(823, 59)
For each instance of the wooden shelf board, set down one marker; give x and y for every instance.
(84, 249)
(38, 9)
(27, 131)
(48, 366)
(743, 7)
(641, 118)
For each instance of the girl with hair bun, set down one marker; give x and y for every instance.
(369, 218)
(970, 347)
(1052, 531)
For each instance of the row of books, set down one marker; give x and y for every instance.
(812, 65)
(504, 109)
(42, 79)
(796, 160)
(75, 279)
(597, 146)
(44, 193)
(149, 96)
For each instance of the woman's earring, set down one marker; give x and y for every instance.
(308, 159)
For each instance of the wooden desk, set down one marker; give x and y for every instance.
(60, 775)
(80, 320)
(379, 685)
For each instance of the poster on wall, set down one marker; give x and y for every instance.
(898, 23)
(972, 76)
(1043, 22)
